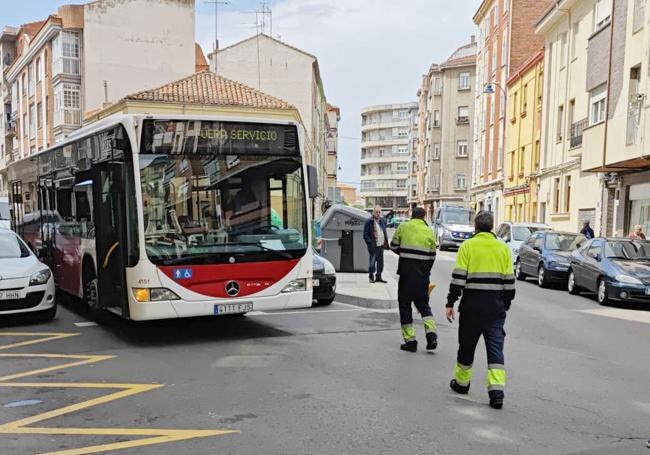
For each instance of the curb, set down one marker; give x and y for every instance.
(374, 304)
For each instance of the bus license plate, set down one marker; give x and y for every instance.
(233, 308)
(10, 295)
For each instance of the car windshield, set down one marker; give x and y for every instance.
(627, 249)
(11, 247)
(210, 206)
(521, 233)
(4, 210)
(458, 216)
(562, 242)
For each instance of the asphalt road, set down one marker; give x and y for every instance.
(327, 381)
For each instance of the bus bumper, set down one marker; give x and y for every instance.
(183, 309)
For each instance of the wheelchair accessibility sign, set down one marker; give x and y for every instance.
(183, 274)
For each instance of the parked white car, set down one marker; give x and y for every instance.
(515, 234)
(5, 220)
(26, 284)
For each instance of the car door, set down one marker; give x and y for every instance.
(592, 266)
(525, 251)
(535, 255)
(529, 258)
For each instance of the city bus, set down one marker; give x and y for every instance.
(155, 217)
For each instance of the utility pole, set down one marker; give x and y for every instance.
(216, 4)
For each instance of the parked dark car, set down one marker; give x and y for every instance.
(615, 269)
(324, 289)
(547, 256)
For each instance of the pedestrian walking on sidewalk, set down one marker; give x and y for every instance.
(484, 277)
(414, 243)
(376, 238)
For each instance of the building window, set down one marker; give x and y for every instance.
(575, 32)
(403, 115)
(567, 194)
(30, 78)
(522, 161)
(66, 53)
(461, 181)
(556, 196)
(504, 50)
(463, 81)
(560, 123)
(563, 47)
(437, 86)
(436, 151)
(639, 14)
(403, 132)
(515, 98)
(401, 184)
(436, 119)
(598, 103)
(536, 156)
(23, 125)
(32, 121)
(602, 13)
(461, 149)
(39, 115)
(524, 100)
(23, 89)
(402, 149)
(463, 114)
(38, 70)
(401, 167)
(67, 104)
(511, 165)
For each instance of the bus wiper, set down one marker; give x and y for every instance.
(281, 254)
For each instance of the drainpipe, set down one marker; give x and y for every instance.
(603, 209)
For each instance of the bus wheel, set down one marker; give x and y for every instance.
(90, 290)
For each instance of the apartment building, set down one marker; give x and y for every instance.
(446, 100)
(83, 57)
(385, 147)
(506, 40)
(286, 72)
(333, 118)
(617, 146)
(8, 37)
(577, 40)
(413, 168)
(523, 140)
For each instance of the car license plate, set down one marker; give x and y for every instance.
(233, 308)
(316, 283)
(10, 295)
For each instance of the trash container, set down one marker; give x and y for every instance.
(342, 238)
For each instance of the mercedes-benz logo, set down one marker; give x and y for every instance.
(232, 288)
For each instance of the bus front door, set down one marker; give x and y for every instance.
(110, 235)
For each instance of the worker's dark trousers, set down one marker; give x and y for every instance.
(414, 290)
(470, 330)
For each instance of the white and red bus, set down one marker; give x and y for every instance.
(155, 217)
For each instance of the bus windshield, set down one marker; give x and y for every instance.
(464, 217)
(209, 199)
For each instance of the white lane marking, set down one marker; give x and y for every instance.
(85, 324)
(617, 313)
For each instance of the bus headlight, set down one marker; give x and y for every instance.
(154, 294)
(296, 286)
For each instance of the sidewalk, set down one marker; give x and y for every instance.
(356, 289)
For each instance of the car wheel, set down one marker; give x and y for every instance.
(519, 274)
(571, 285)
(325, 302)
(541, 277)
(602, 296)
(47, 315)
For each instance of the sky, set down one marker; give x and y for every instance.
(370, 51)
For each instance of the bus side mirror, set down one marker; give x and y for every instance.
(312, 181)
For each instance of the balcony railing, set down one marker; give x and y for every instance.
(67, 117)
(65, 65)
(577, 130)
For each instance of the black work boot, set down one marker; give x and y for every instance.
(460, 389)
(432, 341)
(410, 346)
(496, 403)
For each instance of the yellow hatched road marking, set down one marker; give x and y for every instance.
(22, 426)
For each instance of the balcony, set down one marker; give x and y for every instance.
(577, 131)
(67, 117)
(66, 66)
(462, 120)
(10, 127)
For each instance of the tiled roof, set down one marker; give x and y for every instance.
(208, 88)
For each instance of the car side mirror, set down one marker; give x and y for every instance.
(312, 181)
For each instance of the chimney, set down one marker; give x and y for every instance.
(473, 39)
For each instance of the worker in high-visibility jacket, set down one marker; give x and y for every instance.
(484, 277)
(414, 243)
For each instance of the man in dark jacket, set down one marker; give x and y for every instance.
(376, 238)
(587, 231)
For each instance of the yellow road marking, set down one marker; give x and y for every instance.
(151, 436)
